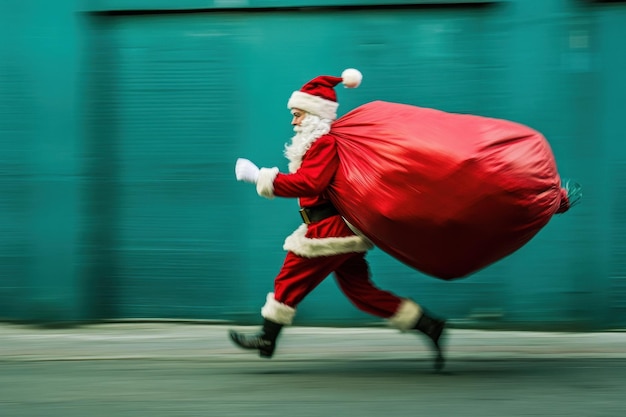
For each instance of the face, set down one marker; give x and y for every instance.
(298, 116)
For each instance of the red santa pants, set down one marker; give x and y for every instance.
(299, 276)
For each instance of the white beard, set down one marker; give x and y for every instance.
(312, 127)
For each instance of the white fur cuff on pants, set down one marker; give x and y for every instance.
(277, 312)
(406, 316)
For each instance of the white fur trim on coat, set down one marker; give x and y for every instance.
(407, 315)
(326, 109)
(306, 247)
(277, 312)
(265, 182)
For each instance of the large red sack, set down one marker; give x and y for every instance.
(448, 194)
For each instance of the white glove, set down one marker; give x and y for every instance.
(246, 171)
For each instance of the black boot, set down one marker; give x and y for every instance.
(433, 328)
(264, 341)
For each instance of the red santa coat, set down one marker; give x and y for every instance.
(330, 238)
(309, 183)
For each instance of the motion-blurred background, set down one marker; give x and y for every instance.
(120, 122)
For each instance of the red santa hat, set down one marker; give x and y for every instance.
(318, 95)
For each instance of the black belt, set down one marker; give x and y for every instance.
(317, 213)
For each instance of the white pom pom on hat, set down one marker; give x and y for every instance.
(351, 77)
(318, 95)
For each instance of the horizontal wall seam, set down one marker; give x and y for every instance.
(338, 8)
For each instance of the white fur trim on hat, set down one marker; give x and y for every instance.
(277, 312)
(326, 109)
(407, 315)
(307, 247)
(265, 182)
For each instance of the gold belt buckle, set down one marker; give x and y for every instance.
(305, 216)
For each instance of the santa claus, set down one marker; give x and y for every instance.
(325, 243)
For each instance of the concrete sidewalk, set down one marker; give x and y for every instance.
(209, 342)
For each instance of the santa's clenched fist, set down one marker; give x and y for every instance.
(246, 171)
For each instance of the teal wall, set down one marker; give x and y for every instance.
(40, 154)
(119, 130)
(610, 170)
